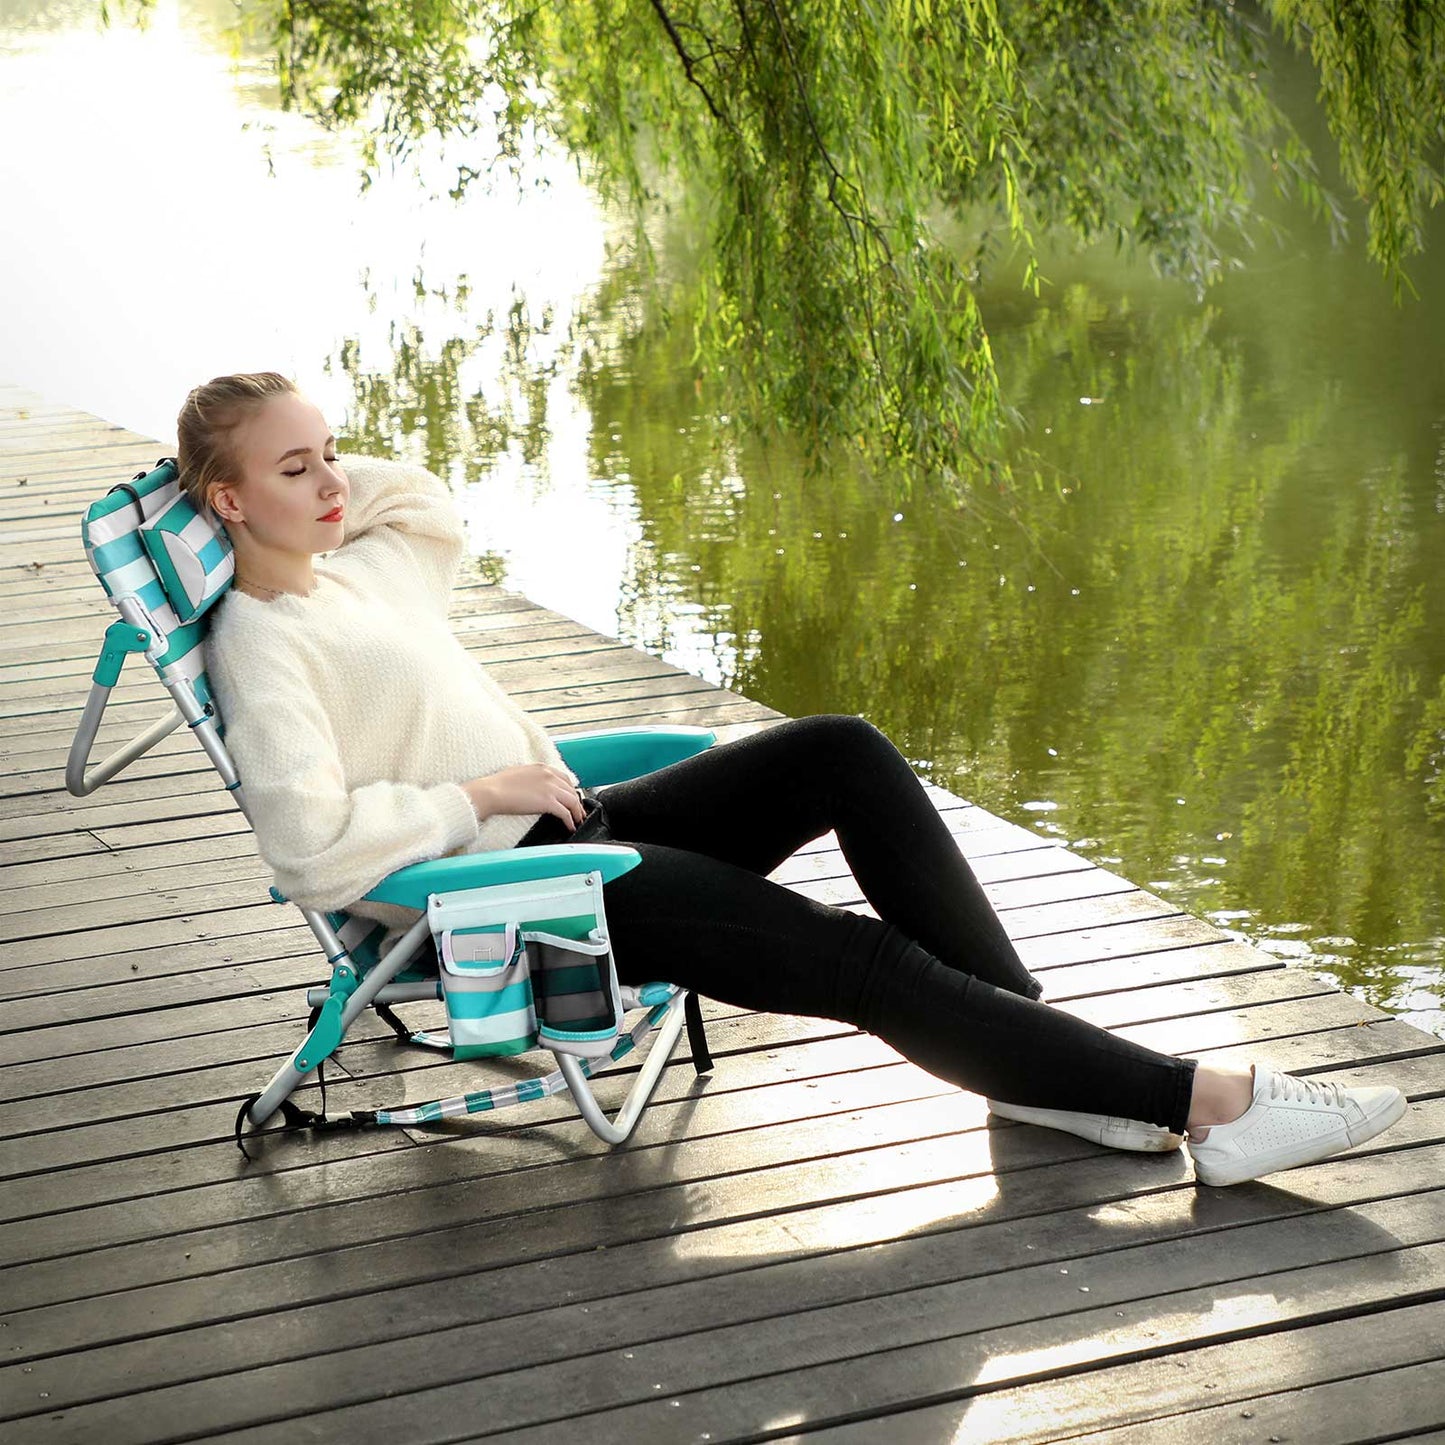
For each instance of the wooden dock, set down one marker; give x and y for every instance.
(818, 1241)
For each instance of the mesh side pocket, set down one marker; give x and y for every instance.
(579, 1008)
(488, 991)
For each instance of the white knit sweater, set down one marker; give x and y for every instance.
(354, 714)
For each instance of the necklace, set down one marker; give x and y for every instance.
(274, 591)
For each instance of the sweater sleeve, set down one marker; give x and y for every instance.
(404, 516)
(326, 843)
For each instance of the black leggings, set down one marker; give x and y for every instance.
(935, 975)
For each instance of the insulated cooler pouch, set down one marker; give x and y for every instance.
(487, 991)
(579, 1006)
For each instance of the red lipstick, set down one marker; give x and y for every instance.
(332, 516)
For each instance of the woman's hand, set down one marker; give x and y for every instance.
(530, 788)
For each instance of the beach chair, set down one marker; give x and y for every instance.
(513, 942)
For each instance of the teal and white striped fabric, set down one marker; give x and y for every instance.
(488, 991)
(579, 1005)
(193, 558)
(523, 1091)
(361, 938)
(127, 530)
(507, 986)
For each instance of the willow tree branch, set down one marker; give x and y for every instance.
(689, 61)
(836, 178)
(867, 226)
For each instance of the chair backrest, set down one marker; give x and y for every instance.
(145, 540)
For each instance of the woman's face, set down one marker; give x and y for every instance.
(292, 494)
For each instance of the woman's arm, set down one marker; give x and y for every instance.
(405, 517)
(528, 788)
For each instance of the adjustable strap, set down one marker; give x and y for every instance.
(422, 1038)
(385, 1014)
(696, 1037)
(241, 1123)
(299, 1118)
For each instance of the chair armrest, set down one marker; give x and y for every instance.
(622, 753)
(410, 887)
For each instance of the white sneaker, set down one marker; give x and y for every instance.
(1291, 1122)
(1132, 1134)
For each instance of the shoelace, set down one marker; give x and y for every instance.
(1305, 1091)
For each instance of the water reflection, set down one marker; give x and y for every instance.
(1197, 653)
(1207, 650)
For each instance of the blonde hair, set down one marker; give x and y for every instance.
(206, 452)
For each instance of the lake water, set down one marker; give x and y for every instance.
(1207, 652)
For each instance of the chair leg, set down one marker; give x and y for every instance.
(618, 1129)
(288, 1077)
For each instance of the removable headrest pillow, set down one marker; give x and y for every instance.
(191, 554)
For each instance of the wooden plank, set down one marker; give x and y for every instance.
(639, 1320)
(1211, 1392)
(646, 1192)
(227, 871)
(218, 890)
(1216, 959)
(98, 815)
(192, 1117)
(263, 1046)
(564, 710)
(1298, 1054)
(49, 586)
(126, 837)
(737, 1380)
(601, 660)
(142, 964)
(1396, 1404)
(1231, 1027)
(380, 1075)
(56, 455)
(139, 846)
(157, 897)
(46, 743)
(77, 622)
(124, 1227)
(819, 1392)
(312, 1198)
(58, 677)
(153, 780)
(205, 923)
(122, 1178)
(1055, 950)
(65, 845)
(553, 640)
(225, 859)
(251, 964)
(104, 449)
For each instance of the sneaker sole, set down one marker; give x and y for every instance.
(1239, 1171)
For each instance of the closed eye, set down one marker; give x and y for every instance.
(299, 470)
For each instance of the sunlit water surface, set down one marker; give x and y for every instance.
(1208, 652)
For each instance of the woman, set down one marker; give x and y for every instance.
(367, 738)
